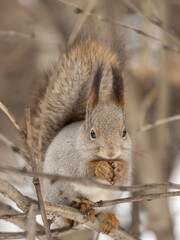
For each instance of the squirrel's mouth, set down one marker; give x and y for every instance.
(107, 159)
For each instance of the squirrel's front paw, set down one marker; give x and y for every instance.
(119, 171)
(110, 223)
(104, 171)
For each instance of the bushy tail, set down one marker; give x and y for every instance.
(62, 97)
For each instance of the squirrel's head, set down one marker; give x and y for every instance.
(104, 122)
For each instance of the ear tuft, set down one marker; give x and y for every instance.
(94, 94)
(118, 88)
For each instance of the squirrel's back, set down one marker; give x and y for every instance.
(62, 96)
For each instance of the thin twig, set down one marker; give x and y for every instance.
(159, 122)
(119, 24)
(14, 148)
(31, 224)
(29, 140)
(12, 119)
(141, 198)
(12, 193)
(36, 179)
(92, 183)
(154, 20)
(13, 33)
(97, 237)
(146, 103)
(80, 22)
(55, 233)
(13, 216)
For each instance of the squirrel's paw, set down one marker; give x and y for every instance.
(110, 223)
(104, 171)
(119, 171)
(86, 209)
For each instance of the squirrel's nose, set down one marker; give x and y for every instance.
(112, 154)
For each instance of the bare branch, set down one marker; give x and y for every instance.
(20, 222)
(159, 122)
(29, 140)
(36, 179)
(31, 224)
(64, 211)
(13, 33)
(154, 20)
(117, 23)
(75, 215)
(14, 148)
(12, 193)
(141, 198)
(80, 22)
(12, 119)
(55, 233)
(13, 216)
(92, 183)
(147, 102)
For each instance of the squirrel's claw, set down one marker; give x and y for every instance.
(86, 209)
(120, 171)
(110, 223)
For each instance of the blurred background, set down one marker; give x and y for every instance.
(32, 32)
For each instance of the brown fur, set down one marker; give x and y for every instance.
(111, 171)
(110, 223)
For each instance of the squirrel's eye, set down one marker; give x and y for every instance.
(93, 135)
(124, 133)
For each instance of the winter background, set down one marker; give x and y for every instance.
(152, 89)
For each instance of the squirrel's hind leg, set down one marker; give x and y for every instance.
(109, 221)
(84, 208)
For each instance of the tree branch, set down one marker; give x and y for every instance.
(12, 193)
(141, 198)
(159, 122)
(36, 179)
(61, 210)
(117, 23)
(15, 217)
(74, 214)
(12, 119)
(31, 224)
(154, 20)
(92, 183)
(14, 148)
(13, 33)
(55, 233)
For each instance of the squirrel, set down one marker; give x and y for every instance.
(83, 129)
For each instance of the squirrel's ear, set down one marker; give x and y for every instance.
(118, 88)
(94, 94)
